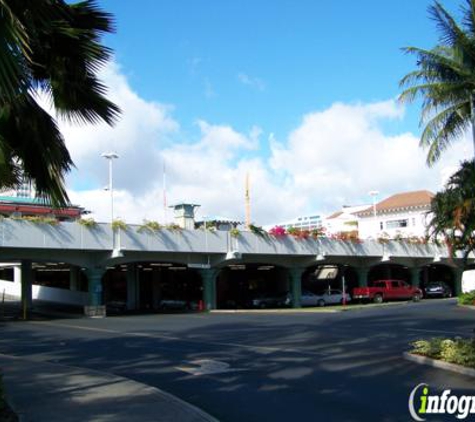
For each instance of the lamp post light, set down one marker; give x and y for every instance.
(374, 194)
(110, 156)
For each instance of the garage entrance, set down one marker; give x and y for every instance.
(319, 278)
(244, 286)
(152, 286)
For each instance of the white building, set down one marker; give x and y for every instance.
(344, 220)
(403, 214)
(306, 222)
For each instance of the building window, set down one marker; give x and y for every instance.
(396, 224)
(381, 225)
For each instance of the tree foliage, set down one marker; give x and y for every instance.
(54, 48)
(445, 81)
(453, 211)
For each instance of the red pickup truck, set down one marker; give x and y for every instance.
(382, 290)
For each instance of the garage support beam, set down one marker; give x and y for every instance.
(26, 288)
(208, 278)
(457, 271)
(415, 276)
(133, 290)
(74, 278)
(295, 275)
(362, 276)
(95, 307)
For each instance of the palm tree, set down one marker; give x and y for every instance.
(52, 47)
(453, 210)
(445, 80)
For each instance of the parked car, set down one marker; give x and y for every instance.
(438, 289)
(177, 304)
(331, 297)
(270, 301)
(383, 290)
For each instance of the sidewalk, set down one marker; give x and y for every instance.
(46, 392)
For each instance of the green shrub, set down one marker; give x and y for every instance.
(119, 224)
(459, 351)
(87, 222)
(150, 226)
(430, 348)
(467, 299)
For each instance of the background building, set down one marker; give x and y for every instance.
(403, 214)
(344, 220)
(23, 202)
(308, 222)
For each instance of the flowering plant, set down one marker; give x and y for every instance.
(277, 231)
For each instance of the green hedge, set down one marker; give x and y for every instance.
(458, 351)
(467, 299)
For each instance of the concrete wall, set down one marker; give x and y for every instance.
(48, 294)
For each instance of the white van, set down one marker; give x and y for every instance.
(468, 281)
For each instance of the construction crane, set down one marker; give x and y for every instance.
(248, 201)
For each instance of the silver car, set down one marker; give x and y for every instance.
(327, 297)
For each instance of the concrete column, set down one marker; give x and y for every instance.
(415, 276)
(457, 272)
(362, 276)
(132, 287)
(95, 306)
(26, 287)
(156, 289)
(74, 278)
(295, 278)
(208, 278)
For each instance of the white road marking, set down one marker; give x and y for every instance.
(207, 367)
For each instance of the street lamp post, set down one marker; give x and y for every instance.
(110, 156)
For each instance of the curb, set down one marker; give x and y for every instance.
(423, 360)
(312, 310)
(472, 307)
(188, 407)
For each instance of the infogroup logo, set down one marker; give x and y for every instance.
(422, 404)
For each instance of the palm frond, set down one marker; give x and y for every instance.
(34, 141)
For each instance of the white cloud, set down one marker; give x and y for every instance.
(334, 157)
(252, 82)
(338, 155)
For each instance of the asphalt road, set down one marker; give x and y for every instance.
(262, 367)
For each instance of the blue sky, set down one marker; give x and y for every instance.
(298, 55)
(256, 81)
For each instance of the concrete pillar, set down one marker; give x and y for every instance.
(295, 278)
(457, 273)
(74, 278)
(26, 287)
(363, 273)
(133, 290)
(208, 278)
(156, 289)
(95, 306)
(415, 276)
